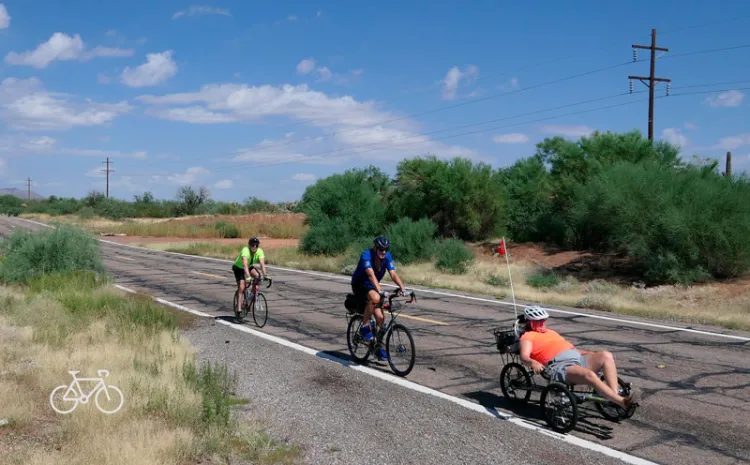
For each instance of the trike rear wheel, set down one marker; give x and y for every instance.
(560, 407)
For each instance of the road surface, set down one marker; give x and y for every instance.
(696, 386)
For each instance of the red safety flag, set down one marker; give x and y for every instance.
(501, 247)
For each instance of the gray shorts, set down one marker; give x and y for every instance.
(559, 365)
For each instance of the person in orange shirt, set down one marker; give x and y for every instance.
(542, 348)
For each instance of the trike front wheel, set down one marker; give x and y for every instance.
(514, 377)
(560, 407)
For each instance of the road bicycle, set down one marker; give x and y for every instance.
(74, 393)
(254, 301)
(396, 335)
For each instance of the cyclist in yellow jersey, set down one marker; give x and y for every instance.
(244, 266)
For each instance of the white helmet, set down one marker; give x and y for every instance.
(535, 313)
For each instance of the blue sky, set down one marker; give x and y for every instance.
(262, 98)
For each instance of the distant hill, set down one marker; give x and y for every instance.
(20, 193)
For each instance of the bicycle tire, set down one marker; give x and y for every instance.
(507, 389)
(614, 413)
(352, 330)
(260, 321)
(550, 414)
(412, 357)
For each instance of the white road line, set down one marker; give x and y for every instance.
(418, 387)
(446, 294)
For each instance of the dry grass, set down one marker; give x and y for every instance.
(163, 418)
(709, 305)
(279, 226)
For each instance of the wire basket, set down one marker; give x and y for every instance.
(505, 340)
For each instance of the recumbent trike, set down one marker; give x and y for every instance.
(559, 401)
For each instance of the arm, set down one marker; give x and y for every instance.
(525, 354)
(263, 266)
(396, 279)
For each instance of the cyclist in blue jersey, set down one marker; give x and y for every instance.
(366, 285)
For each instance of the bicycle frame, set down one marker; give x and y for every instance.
(75, 386)
(389, 308)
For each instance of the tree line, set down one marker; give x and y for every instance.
(676, 220)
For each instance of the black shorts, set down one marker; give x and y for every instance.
(360, 295)
(239, 273)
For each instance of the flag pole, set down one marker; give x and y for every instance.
(507, 262)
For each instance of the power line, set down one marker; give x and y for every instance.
(700, 52)
(710, 23)
(392, 146)
(652, 79)
(491, 97)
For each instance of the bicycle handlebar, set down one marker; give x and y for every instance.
(265, 278)
(393, 295)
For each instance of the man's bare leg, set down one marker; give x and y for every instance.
(580, 375)
(604, 361)
(373, 299)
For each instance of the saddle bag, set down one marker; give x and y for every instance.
(350, 303)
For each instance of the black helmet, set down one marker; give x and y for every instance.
(253, 240)
(382, 243)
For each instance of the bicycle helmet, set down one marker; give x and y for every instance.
(382, 243)
(535, 313)
(253, 240)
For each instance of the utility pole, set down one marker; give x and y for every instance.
(651, 78)
(728, 168)
(28, 188)
(108, 170)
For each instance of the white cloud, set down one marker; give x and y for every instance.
(304, 177)
(733, 142)
(102, 78)
(191, 175)
(4, 17)
(454, 77)
(357, 123)
(514, 83)
(674, 136)
(26, 105)
(292, 18)
(325, 73)
(512, 138)
(568, 131)
(62, 47)
(306, 66)
(690, 126)
(224, 184)
(2, 164)
(158, 68)
(731, 98)
(319, 13)
(201, 10)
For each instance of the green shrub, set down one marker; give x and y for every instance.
(463, 199)
(30, 255)
(454, 257)
(678, 226)
(341, 208)
(226, 230)
(10, 205)
(412, 241)
(543, 279)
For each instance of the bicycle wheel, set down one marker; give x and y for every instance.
(613, 412)
(513, 378)
(355, 341)
(260, 310)
(560, 407)
(400, 343)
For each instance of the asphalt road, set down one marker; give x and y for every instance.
(696, 386)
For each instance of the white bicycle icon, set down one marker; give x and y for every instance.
(73, 393)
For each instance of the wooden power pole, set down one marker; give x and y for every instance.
(728, 169)
(108, 170)
(28, 188)
(651, 78)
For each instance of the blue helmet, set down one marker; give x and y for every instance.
(382, 243)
